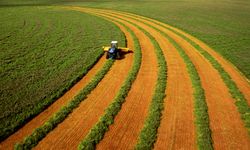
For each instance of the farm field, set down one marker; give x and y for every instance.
(27, 88)
(173, 92)
(222, 24)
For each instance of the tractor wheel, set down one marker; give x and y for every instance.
(118, 55)
(107, 56)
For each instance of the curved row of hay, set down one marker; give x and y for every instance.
(216, 97)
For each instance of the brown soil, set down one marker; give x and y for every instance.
(47, 113)
(177, 127)
(74, 128)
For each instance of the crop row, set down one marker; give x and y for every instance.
(39, 133)
(240, 100)
(148, 133)
(98, 130)
(203, 132)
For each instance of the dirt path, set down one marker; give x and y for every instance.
(74, 128)
(241, 81)
(227, 133)
(177, 128)
(47, 113)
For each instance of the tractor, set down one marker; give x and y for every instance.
(115, 52)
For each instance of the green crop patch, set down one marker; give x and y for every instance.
(223, 24)
(44, 52)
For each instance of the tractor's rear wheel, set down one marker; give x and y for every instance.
(118, 55)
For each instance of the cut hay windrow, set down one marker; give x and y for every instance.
(203, 131)
(39, 133)
(99, 129)
(148, 133)
(240, 100)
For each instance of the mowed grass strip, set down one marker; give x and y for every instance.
(39, 133)
(240, 100)
(50, 50)
(99, 129)
(203, 131)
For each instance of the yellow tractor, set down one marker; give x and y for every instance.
(115, 52)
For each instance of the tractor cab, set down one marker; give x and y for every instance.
(113, 51)
(114, 44)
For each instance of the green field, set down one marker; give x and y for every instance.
(224, 25)
(44, 51)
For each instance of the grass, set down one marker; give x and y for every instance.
(203, 131)
(99, 129)
(44, 52)
(40, 132)
(32, 76)
(222, 24)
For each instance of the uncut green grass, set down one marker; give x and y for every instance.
(224, 24)
(44, 51)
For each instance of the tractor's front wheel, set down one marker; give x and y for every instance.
(107, 56)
